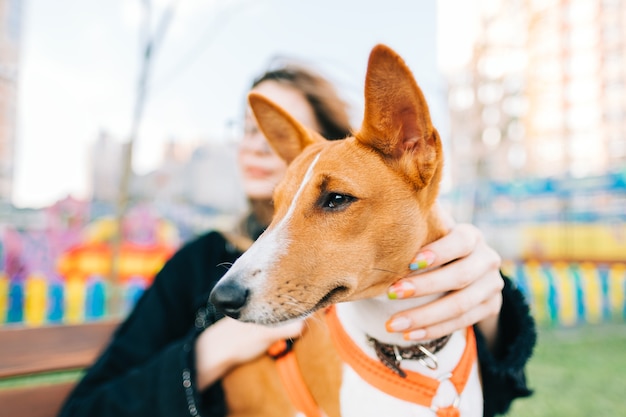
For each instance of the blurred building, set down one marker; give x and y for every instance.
(202, 174)
(214, 178)
(545, 92)
(106, 168)
(576, 91)
(10, 34)
(488, 105)
(538, 129)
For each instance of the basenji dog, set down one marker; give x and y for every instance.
(349, 217)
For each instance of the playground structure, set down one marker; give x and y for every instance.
(61, 273)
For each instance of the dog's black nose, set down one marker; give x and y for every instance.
(229, 298)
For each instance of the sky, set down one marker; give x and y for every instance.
(79, 68)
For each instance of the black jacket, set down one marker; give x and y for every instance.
(148, 368)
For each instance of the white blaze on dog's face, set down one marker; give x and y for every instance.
(350, 214)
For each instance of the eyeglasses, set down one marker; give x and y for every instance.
(249, 135)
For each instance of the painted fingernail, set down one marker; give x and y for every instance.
(422, 260)
(401, 289)
(398, 324)
(415, 335)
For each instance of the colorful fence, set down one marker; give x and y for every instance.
(37, 301)
(78, 290)
(60, 271)
(560, 294)
(566, 294)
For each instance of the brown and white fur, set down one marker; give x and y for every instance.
(349, 217)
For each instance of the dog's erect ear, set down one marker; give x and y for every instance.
(284, 133)
(397, 121)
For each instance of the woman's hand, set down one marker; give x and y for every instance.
(463, 267)
(229, 342)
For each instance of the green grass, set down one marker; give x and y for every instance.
(47, 378)
(577, 372)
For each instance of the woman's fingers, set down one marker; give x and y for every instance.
(264, 335)
(460, 242)
(229, 342)
(453, 311)
(290, 330)
(449, 277)
(461, 266)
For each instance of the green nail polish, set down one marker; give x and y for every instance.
(422, 260)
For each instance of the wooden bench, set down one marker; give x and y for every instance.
(40, 366)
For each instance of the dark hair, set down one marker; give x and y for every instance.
(330, 110)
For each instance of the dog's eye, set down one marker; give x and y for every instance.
(335, 201)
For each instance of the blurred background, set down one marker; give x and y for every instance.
(118, 124)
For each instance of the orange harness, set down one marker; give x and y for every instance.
(415, 387)
(289, 372)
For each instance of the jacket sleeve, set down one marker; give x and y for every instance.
(148, 367)
(502, 371)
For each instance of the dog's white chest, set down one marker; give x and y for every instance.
(359, 399)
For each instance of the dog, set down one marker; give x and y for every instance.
(349, 217)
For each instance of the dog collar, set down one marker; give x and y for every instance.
(392, 355)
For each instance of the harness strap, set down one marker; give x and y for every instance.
(291, 377)
(415, 387)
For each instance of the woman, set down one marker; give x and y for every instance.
(169, 355)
